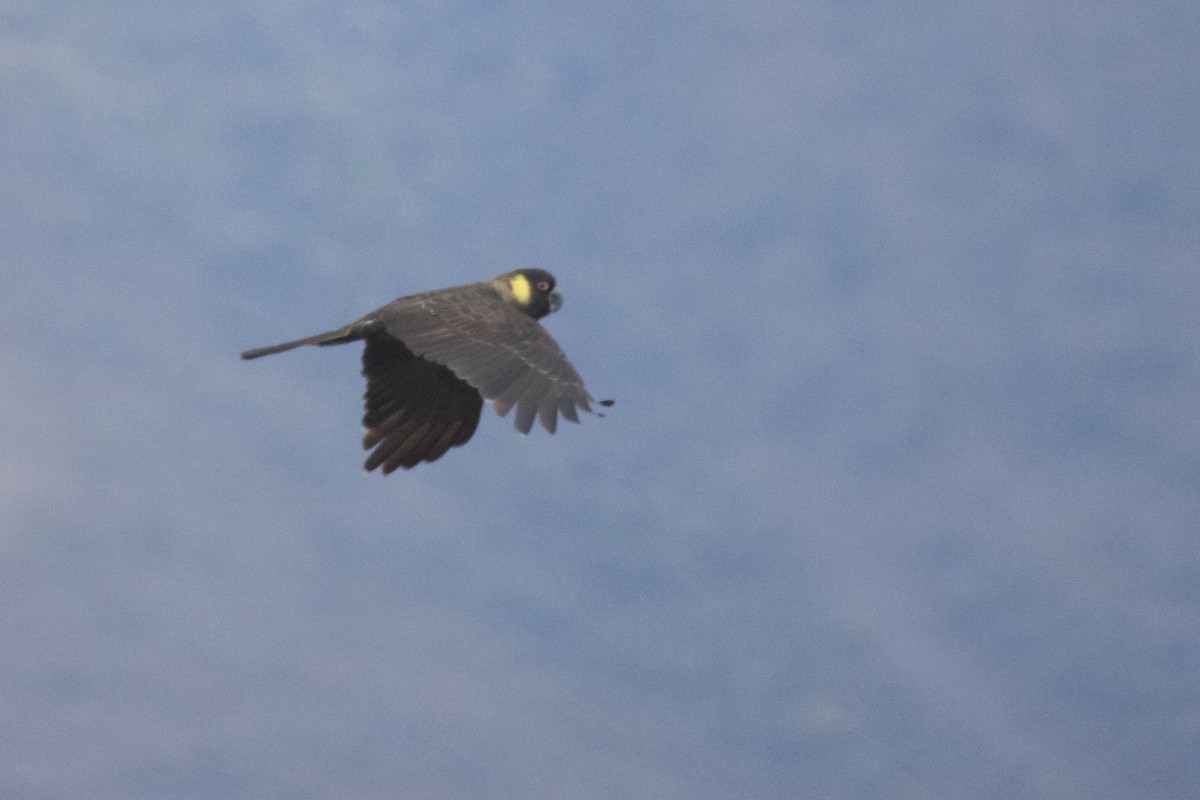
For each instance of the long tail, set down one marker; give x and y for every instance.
(350, 333)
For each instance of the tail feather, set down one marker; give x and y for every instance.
(350, 333)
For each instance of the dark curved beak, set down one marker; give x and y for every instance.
(555, 302)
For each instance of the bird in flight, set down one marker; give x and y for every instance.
(431, 359)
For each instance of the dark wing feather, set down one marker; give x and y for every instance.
(504, 354)
(415, 410)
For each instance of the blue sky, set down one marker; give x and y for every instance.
(899, 498)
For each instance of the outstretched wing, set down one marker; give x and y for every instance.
(507, 356)
(415, 410)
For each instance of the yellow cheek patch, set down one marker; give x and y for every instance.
(521, 289)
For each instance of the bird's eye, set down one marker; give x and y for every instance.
(543, 286)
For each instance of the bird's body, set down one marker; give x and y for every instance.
(431, 359)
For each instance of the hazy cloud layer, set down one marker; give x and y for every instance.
(899, 499)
